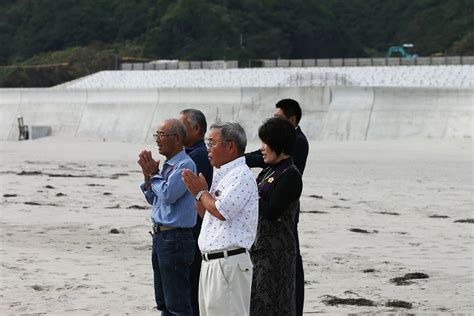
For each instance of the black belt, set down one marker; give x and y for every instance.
(222, 254)
(161, 228)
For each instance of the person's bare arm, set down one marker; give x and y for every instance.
(200, 209)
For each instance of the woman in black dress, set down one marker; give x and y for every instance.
(274, 251)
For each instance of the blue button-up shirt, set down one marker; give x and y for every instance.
(173, 204)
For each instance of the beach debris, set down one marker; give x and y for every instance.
(107, 193)
(49, 187)
(438, 216)
(60, 194)
(368, 270)
(36, 203)
(314, 212)
(389, 213)
(405, 280)
(400, 304)
(467, 220)
(115, 231)
(29, 173)
(36, 162)
(95, 185)
(38, 288)
(316, 196)
(68, 175)
(137, 207)
(117, 175)
(338, 206)
(334, 300)
(362, 231)
(343, 199)
(113, 207)
(9, 195)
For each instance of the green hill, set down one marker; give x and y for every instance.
(30, 30)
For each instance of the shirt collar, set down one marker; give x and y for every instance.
(231, 165)
(176, 158)
(196, 145)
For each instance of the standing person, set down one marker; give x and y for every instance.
(195, 123)
(230, 213)
(173, 217)
(290, 109)
(273, 253)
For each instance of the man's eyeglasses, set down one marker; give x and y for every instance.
(162, 135)
(210, 144)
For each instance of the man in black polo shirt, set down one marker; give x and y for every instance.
(290, 109)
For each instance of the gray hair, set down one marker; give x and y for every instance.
(178, 128)
(196, 118)
(232, 131)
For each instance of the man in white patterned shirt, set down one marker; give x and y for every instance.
(230, 214)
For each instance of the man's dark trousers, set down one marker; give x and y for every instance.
(196, 270)
(299, 268)
(172, 255)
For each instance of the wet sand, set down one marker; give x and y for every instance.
(376, 216)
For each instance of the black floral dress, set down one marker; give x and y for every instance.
(274, 251)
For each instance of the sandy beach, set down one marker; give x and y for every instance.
(74, 227)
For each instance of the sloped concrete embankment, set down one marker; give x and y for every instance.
(330, 113)
(117, 114)
(61, 110)
(421, 113)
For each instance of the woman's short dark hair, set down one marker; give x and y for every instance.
(279, 134)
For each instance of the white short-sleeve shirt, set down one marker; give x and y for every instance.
(235, 190)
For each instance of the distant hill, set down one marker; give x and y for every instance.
(52, 31)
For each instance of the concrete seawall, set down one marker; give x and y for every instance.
(330, 113)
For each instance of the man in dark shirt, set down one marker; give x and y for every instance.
(290, 109)
(196, 126)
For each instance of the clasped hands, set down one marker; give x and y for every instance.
(148, 164)
(193, 182)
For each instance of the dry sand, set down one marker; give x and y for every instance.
(61, 198)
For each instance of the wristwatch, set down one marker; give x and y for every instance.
(199, 194)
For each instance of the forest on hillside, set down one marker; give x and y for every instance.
(89, 32)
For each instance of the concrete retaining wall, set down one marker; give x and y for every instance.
(329, 113)
(421, 113)
(348, 116)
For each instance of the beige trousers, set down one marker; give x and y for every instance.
(225, 285)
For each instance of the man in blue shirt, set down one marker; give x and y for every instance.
(173, 216)
(196, 126)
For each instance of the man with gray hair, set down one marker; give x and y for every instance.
(230, 212)
(173, 217)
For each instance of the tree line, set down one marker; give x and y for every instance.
(88, 33)
(236, 29)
